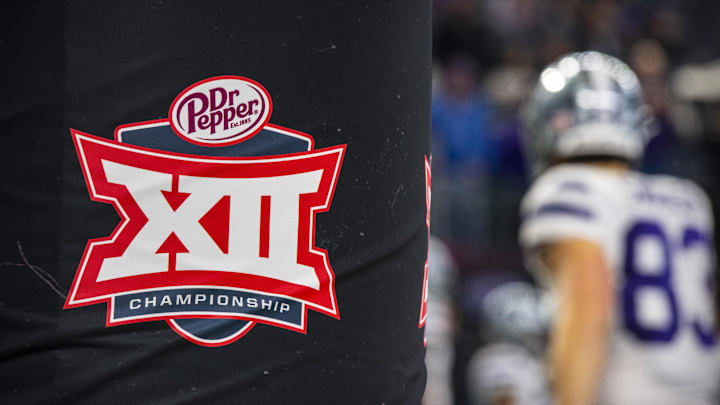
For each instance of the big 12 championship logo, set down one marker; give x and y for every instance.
(218, 215)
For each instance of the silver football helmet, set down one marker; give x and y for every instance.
(517, 312)
(585, 104)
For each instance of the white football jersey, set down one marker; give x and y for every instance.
(440, 329)
(509, 371)
(657, 236)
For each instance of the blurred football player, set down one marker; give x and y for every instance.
(506, 374)
(441, 324)
(508, 369)
(629, 256)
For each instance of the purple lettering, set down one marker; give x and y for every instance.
(204, 122)
(242, 110)
(214, 103)
(191, 109)
(232, 95)
(229, 114)
(251, 104)
(216, 110)
(215, 119)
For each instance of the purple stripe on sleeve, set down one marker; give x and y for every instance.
(574, 186)
(563, 208)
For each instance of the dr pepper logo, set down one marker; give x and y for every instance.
(211, 240)
(220, 111)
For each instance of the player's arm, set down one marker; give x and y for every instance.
(580, 331)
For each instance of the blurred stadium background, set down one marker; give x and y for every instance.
(486, 55)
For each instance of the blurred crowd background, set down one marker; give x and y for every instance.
(487, 53)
